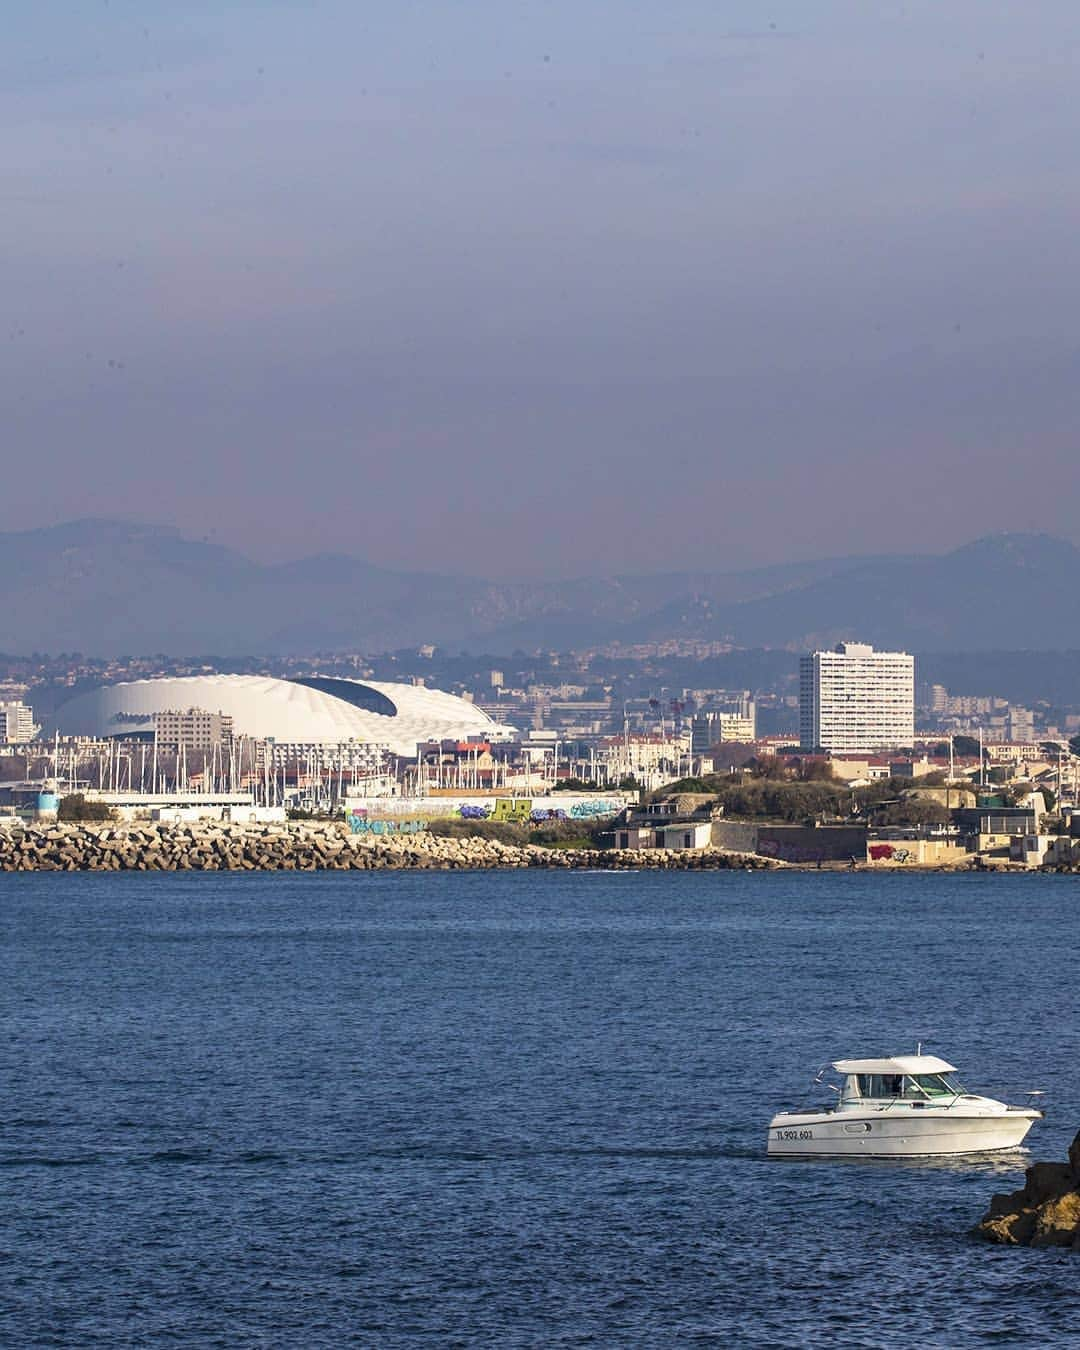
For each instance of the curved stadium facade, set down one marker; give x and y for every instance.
(308, 711)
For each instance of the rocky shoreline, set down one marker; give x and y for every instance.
(1046, 1213)
(311, 847)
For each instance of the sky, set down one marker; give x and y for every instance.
(539, 288)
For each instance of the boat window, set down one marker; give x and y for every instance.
(879, 1085)
(923, 1085)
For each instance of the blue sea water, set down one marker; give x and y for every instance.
(512, 1109)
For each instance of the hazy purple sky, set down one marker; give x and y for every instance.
(544, 287)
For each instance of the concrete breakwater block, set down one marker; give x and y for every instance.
(308, 847)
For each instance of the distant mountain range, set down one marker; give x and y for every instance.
(110, 588)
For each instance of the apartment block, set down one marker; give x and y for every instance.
(714, 728)
(194, 729)
(856, 699)
(16, 722)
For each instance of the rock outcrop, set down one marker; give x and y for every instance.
(308, 847)
(1046, 1213)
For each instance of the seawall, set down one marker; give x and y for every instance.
(308, 847)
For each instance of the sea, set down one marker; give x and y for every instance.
(514, 1108)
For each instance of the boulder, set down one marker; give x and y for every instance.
(1046, 1213)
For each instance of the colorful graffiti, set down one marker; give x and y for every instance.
(506, 809)
(586, 810)
(888, 853)
(361, 825)
(520, 810)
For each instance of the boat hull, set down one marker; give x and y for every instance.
(902, 1134)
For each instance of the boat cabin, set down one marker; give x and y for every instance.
(918, 1079)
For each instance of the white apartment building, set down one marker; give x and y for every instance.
(854, 698)
(713, 728)
(16, 722)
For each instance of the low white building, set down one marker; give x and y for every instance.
(677, 835)
(238, 806)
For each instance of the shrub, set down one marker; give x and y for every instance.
(565, 833)
(75, 807)
(574, 833)
(912, 811)
(506, 831)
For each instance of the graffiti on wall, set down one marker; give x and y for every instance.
(586, 810)
(888, 853)
(521, 810)
(507, 809)
(361, 825)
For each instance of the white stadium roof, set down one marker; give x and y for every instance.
(315, 710)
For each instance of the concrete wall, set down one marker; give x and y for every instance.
(915, 852)
(803, 843)
(585, 807)
(740, 835)
(791, 843)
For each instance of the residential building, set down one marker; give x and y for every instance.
(195, 729)
(730, 718)
(16, 722)
(713, 728)
(856, 699)
(1021, 724)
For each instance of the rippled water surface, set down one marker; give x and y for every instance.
(512, 1109)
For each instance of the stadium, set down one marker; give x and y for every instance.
(307, 711)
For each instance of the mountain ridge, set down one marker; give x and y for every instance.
(108, 587)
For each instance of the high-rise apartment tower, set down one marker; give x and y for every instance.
(16, 722)
(854, 698)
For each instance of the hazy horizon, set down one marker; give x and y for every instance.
(556, 291)
(277, 559)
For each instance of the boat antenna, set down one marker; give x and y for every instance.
(918, 1049)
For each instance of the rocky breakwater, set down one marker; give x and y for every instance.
(1046, 1213)
(307, 847)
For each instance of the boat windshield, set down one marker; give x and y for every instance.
(921, 1085)
(911, 1087)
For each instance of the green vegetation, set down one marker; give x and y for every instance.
(795, 800)
(505, 831)
(550, 833)
(76, 808)
(911, 811)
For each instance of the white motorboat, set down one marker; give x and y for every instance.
(909, 1106)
